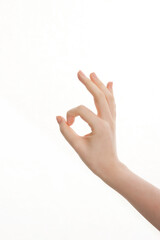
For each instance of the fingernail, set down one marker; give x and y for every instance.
(70, 120)
(111, 85)
(81, 73)
(94, 75)
(59, 119)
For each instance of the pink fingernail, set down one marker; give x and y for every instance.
(59, 119)
(94, 75)
(110, 85)
(81, 73)
(70, 120)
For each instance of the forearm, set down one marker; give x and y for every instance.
(141, 194)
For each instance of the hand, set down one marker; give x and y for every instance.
(98, 148)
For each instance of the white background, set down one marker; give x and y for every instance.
(46, 191)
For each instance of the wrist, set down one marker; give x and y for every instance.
(113, 176)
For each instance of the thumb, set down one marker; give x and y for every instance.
(69, 134)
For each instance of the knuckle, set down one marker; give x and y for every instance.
(99, 95)
(114, 109)
(77, 145)
(113, 125)
(103, 126)
(114, 105)
(68, 112)
(111, 98)
(81, 107)
(106, 125)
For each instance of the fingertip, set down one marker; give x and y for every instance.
(110, 85)
(70, 121)
(80, 75)
(59, 119)
(78, 72)
(92, 74)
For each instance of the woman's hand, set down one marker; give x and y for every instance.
(97, 149)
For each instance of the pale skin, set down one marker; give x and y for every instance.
(98, 149)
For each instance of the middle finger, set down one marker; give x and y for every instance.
(99, 97)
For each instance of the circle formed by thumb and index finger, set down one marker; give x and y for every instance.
(85, 113)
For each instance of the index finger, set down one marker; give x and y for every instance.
(85, 113)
